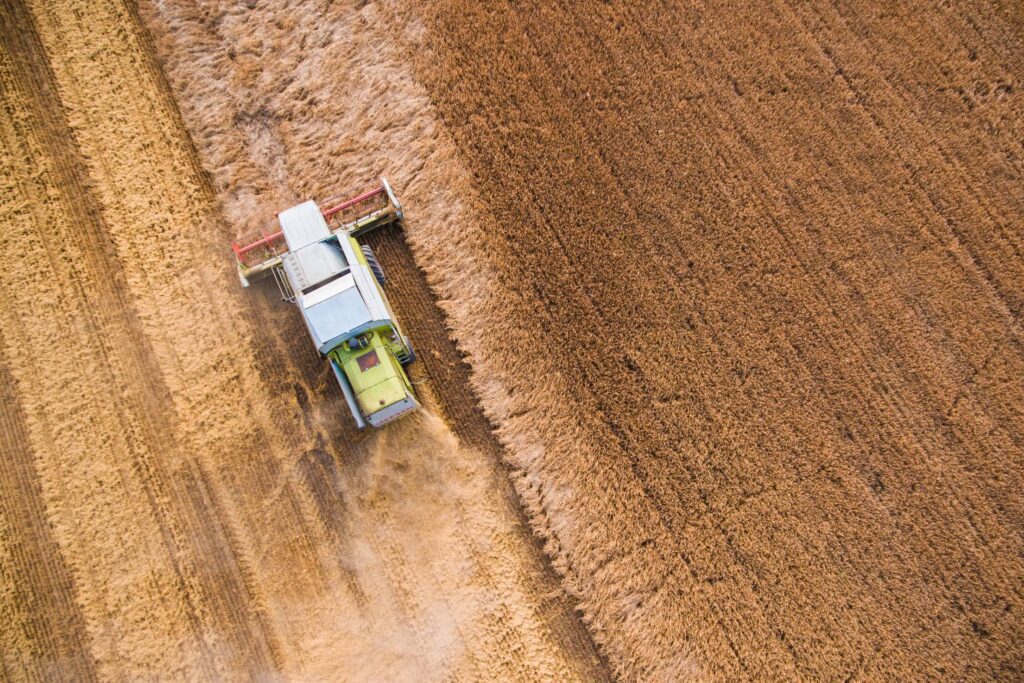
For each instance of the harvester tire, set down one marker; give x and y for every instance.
(374, 264)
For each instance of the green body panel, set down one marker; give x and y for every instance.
(376, 385)
(357, 249)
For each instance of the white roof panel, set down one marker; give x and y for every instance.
(314, 263)
(325, 292)
(303, 225)
(336, 311)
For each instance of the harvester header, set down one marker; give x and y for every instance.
(338, 286)
(354, 212)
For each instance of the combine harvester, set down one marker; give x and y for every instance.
(337, 284)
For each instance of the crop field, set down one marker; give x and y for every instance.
(717, 309)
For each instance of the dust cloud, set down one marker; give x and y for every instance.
(404, 478)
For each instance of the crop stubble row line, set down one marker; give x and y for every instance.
(145, 263)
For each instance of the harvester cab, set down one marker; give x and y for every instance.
(338, 286)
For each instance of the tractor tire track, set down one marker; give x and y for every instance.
(44, 633)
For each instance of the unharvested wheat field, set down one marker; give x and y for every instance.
(717, 309)
(761, 282)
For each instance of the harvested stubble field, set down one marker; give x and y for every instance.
(739, 288)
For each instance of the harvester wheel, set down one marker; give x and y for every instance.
(371, 260)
